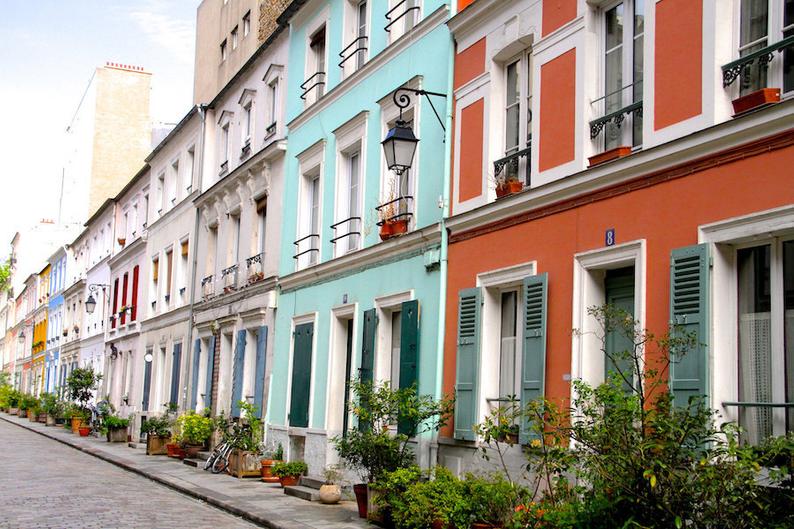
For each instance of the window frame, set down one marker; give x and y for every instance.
(311, 166)
(775, 32)
(247, 23)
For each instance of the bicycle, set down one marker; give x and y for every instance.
(219, 458)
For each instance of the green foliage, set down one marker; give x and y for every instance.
(5, 379)
(289, 469)
(278, 455)
(196, 429)
(159, 426)
(14, 397)
(247, 433)
(81, 383)
(373, 449)
(28, 402)
(114, 422)
(5, 396)
(5, 275)
(51, 405)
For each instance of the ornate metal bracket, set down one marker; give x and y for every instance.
(732, 70)
(617, 117)
(511, 161)
(402, 99)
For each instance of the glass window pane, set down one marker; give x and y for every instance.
(637, 90)
(614, 27)
(639, 17)
(512, 89)
(511, 129)
(507, 352)
(396, 328)
(754, 20)
(788, 307)
(755, 341)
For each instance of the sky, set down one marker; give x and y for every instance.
(48, 51)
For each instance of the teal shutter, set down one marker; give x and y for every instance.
(301, 375)
(195, 373)
(533, 360)
(468, 362)
(237, 373)
(689, 295)
(409, 355)
(366, 371)
(175, 373)
(147, 383)
(259, 370)
(210, 369)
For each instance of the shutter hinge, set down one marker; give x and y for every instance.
(711, 262)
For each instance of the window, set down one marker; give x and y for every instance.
(161, 192)
(314, 214)
(764, 23)
(399, 189)
(518, 120)
(234, 255)
(307, 243)
(401, 18)
(247, 125)
(224, 51)
(155, 279)
(354, 55)
(183, 268)
(261, 213)
(272, 89)
(246, 24)
(212, 248)
(224, 147)
(169, 269)
(174, 179)
(145, 210)
(394, 346)
(234, 38)
(314, 85)
(623, 27)
(191, 161)
(348, 225)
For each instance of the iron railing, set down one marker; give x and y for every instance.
(255, 268)
(398, 209)
(764, 56)
(353, 225)
(313, 239)
(391, 20)
(511, 164)
(315, 81)
(360, 48)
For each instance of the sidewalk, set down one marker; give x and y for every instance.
(261, 503)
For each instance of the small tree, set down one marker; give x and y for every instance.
(81, 384)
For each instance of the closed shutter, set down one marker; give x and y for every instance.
(689, 284)
(409, 355)
(366, 371)
(124, 285)
(259, 370)
(195, 373)
(134, 314)
(175, 373)
(115, 303)
(237, 373)
(468, 362)
(533, 360)
(147, 383)
(301, 376)
(210, 369)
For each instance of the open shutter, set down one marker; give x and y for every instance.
(210, 369)
(115, 303)
(689, 282)
(368, 346)
(301, 376)
(259, 370)
(468, 362)
(147, 384)
(124, 284)
(195, 373)
(237, 373)
(175, 373)
(134, 314)
(533, 360)
(409, 355)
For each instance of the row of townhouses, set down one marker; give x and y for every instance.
(433, 193)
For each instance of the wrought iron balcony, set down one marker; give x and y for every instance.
(207, 287)
(315, 81)
(255, 267)
(401, 208)
(732, 70)
(309, 246)
(357, 48)
(617, 117)
(229, 277)
(393, 17)
(348, 229)
(510, 164)
(271, 129)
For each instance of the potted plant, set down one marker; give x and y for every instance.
(507, 185)
(196, 430)
(270, 458)
(158, 431)
(32, 407)
(611, 154)
(115, 429)
(80, 386)
(84, 430)
(122, 241)
(289, 473)
(51, 407)
(331, 490)
(245, 436)
(14, 396)
(492, 500)
(385, 215)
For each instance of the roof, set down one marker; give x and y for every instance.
(179, 126)
(99, 211)
(142, 171)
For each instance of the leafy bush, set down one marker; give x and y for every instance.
(51, 405)
(114, 422)
(80, 385)
(14, 397)
(246, 433)
(159, 426)
(196, 429)
(28, 402)
(292, 468)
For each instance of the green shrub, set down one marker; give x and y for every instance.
(159, 426)
(51, 405)
(114, 422)
(288, 469)
(196, 429)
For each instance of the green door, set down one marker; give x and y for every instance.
(301, 375)
(619, 293)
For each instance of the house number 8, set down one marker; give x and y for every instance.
(609, 237)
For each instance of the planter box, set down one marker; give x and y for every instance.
(50, 420)
(155, 445)
(193, 450)
(22, 413)
(175, 450)
(244, 465)
(757, 99)
(13, 411)
(611, 154)
(43, 418)
(117, 435)
(510, 187)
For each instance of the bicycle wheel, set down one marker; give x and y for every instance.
(221, 462)
(210, 460)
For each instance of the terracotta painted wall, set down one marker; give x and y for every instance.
(557, 110)
(557, 13)
(471, 150)
(469, 63)
(666, 215)
(463, 4)
(678, 81)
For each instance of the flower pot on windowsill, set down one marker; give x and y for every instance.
(757, 99)
(399, 226)
(611, 154)
(122, 241)
(385, 231)
(509, 187)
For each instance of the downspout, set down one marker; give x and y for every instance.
(445, 195)
(194, 247)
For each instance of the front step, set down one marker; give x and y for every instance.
(133, 444)
(204, 455)
(304, 493)
(312, 482)
(194, 462)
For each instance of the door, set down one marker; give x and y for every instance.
(619, 293)
(301, 375)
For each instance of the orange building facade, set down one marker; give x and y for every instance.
(641, 184)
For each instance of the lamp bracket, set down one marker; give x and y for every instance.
(402, 99)
(97, 286)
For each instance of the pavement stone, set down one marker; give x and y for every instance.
(86, 492)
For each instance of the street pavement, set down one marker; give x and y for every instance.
(45, 484)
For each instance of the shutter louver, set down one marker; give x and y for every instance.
(176, 367)
(468, 362)
(533, 360)
(210, 369)
(689, 282)
(409, 355)
(259, 370)
(301, 375)
(237, 373)
(368, 346)
(195, 373)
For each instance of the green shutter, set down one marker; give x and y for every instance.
(176, 366)
(259, 370)
(301, 375)
(366, 371)
(237, 373)
(409, 354)
(689, 295)
(468, 362)
(195, 373)
(210, 369)
(533, 360)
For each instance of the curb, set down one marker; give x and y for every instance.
(220, 504)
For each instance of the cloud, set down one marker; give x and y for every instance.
(173, 34)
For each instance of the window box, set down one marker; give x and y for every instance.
(508, 187)
(612, 154)
(757, 99)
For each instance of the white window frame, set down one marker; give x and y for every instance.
(352, 32)
(173, 168)
(225, 141)
(224, 51)
(235, 37)
(384, 307)
(191, 169)
(403, 26)
(775, 31)
(312, 62)
(524, 69)
(350, 138)
(247, 104)
(272, 80)
(334, 411)
(310, 165)
(247, 23)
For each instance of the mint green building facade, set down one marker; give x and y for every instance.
(351, 304)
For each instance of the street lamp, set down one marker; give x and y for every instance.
(90, 303)
(399, 146)
(21, 337)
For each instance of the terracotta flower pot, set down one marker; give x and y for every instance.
(509, 187)
(289, 481)
(612, 154)
(385, 231)
(267, 471)
(84, 431)
(360, 490)
(76, 422)
(399, 226)
(175, 451)
(757, 99)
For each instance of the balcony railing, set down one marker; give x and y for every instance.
(255, 268)
(617, 117)
(732, 70)
(315, 81)
(347, 231)
(401, 208)
(229, 277)
(308, 246)
(393, 17)
(510, 165)
(207, 287)
(357, 48)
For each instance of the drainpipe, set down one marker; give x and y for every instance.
(194, 246)
(442, 291)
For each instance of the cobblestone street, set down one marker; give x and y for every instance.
(47, 484)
